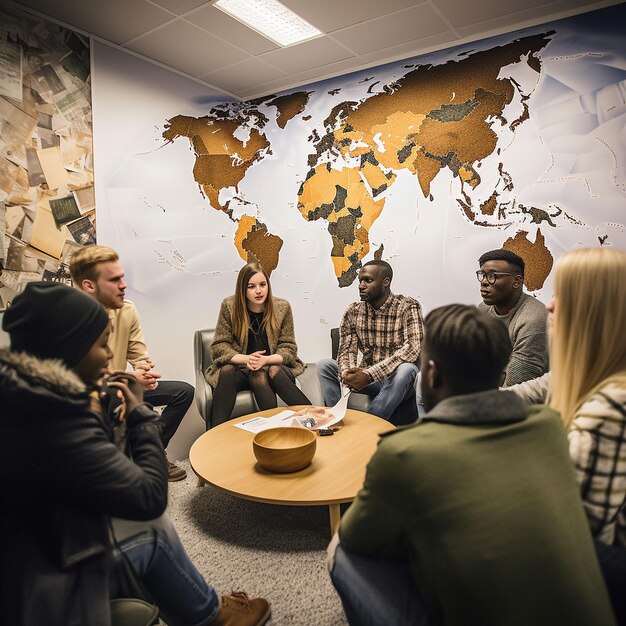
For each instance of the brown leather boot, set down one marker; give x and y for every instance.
(239, 610)
(175, 473)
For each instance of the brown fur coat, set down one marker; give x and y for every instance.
(282, 342)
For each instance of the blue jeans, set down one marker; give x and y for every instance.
(375, 591)
(169, 576)
(386, 395)
(176, 396)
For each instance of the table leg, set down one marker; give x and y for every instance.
(335, 516)
(201, 482)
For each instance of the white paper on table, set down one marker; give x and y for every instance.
(333, 415)
(258, 423)
(339, 410)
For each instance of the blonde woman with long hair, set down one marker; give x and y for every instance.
(587, 385)
(586, 323)
(254, 347)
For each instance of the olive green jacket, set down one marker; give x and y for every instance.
(282, 342)
(481, 498)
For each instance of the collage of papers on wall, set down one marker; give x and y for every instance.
(47, 200)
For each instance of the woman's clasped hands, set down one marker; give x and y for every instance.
(257, 360)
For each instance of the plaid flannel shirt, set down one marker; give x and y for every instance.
(386, 337)
(597, 444)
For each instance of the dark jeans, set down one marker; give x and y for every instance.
(375, 591)
(171, 579)
(176, 396)
(612, 561)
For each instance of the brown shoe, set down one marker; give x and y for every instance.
(175, 473)
(239, 610)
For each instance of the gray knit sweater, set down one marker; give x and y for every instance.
(526, 322)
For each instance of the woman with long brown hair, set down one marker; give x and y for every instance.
(254, 347)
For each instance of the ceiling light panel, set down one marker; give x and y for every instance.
(271, 19)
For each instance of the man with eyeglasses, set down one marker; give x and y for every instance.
(501, 277)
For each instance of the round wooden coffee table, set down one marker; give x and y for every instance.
(224, 458)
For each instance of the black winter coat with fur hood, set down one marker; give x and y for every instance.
(62, 477)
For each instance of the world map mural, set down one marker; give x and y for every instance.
(467, 116)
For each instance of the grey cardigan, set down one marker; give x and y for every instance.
(225, 345)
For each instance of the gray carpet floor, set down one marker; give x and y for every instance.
(276, 552)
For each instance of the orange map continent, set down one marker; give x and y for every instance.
(342, 198)
(255, 244)
(222, 160)
(289, 106)
(537, 258)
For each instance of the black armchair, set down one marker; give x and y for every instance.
(244, 403)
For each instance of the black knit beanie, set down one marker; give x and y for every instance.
(54, 321)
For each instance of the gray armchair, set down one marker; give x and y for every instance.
(245, 402)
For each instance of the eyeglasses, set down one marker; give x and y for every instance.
(491, 277)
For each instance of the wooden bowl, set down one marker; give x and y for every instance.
(284, 449)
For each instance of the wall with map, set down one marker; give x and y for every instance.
(516, 141)
(46, 157)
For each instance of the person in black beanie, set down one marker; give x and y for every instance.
(52, 321)
(63, 477)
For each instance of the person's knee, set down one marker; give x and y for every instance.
(274, 370)
(327, 366)
(406, 373)
(407, 369)
(181, 393)
(227, 372)
(186, 391)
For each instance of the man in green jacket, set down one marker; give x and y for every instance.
(473, 515)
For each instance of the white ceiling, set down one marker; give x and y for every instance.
(196, 39)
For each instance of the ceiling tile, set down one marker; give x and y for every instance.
(329, 15)
(269, 88)
(228, 28)
(504, 23)
(307, 55)
(180, 6)
(462, 14)
(408, 25)
(411, 48)
(187, 48)
(104, 19)
(301, 80)
(326, 71)
(244, 75)
(528, 17)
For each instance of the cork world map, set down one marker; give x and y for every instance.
(515, 140)
(461, 118)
